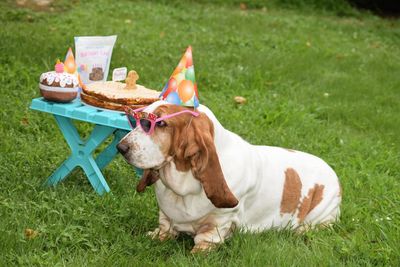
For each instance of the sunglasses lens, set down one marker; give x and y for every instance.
(146, 125)
(132, 121)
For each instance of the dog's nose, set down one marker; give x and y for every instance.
(122, 148)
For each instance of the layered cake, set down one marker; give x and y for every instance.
(115, 95)
(58, 85)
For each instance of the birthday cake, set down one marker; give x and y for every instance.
(58, 86)
(62, 84)
(114, 95)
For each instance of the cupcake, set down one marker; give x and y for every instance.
(60, 85)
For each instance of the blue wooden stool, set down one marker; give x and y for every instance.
(106, 124)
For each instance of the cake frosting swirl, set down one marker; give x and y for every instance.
(63, 79)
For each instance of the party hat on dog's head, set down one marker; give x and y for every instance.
(181, 88)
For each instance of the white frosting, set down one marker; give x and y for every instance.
(63, 78)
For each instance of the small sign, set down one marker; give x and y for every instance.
(119, 74)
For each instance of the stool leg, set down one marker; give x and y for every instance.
(82, 153)
(107, 155)
(72, 137)
(65, 168)
(88, 164)
(96, 138)
(69, 131)
(95, 176)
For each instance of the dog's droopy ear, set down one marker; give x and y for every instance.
(201, 152)
(149, 177)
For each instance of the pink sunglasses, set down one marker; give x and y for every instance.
(148, 121)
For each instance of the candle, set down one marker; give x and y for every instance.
(59, 67)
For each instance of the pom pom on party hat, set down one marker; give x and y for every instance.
(181, 88)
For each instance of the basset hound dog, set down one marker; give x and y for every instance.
(209, 181)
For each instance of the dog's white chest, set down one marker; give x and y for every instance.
(180, 196)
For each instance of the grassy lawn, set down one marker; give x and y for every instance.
(314, 82)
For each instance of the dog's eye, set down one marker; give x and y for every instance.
(161, 123)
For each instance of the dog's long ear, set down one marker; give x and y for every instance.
(149, 177)
(201, 152)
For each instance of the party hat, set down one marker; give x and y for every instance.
(71, 67)
(69, 62)
(181, 88)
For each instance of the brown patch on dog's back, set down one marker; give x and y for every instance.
(290, 150)
(291, 191)
(313, 198)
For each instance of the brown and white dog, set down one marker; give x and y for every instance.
(209, 181)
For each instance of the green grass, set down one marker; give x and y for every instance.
(314, 82)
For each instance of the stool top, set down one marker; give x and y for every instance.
(79, 111)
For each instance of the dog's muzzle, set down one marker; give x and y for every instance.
(122, 148)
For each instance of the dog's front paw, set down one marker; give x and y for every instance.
(161, 235)
(154, 234)
(203, 247)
